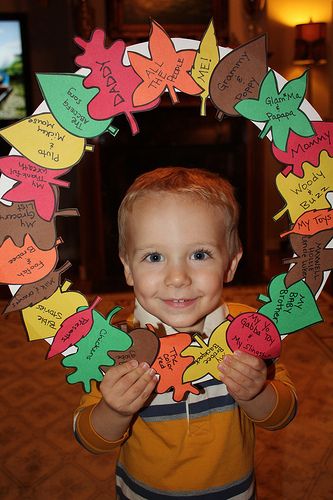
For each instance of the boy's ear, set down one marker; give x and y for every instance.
(230, 272)
(127, 270)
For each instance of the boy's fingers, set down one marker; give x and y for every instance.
(249, 360)
(143, 387)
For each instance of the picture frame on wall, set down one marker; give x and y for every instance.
(14, 68)
(129, 19)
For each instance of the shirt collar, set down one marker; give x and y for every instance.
(213, 319)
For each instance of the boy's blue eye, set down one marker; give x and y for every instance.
(154, 257)
(200, 255)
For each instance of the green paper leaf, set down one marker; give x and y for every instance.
(93, 350)
(291, 308)
(279, 109)
(68, 101)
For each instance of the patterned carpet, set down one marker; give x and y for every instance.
(41, 460)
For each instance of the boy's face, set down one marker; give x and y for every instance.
(176, 258)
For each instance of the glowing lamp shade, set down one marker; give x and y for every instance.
(310, 43)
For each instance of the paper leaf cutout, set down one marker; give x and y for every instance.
(44, 319)
(30, 294)
(170, 365)
(115, 81)
(26, 264)
(238, 76)
(73, 329)
(93, 350)
(207, 357)
(145, 346)
(279, 110)
(313, 259)
(34, 183)
(20, 219)
(312, 222)
(205, 61)
(68, 101)
(43, 141)
(305, 149)
(255, 334)
(307, 193)
(166, 69)
(292, 308)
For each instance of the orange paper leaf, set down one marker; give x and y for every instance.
(26, 264)
(170, 365)
(167, 68)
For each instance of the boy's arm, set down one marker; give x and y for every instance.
(266, 396)
(104, 417)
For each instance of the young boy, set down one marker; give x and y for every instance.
(179, 244)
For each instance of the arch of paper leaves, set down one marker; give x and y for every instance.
(119, 79)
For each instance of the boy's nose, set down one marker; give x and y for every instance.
(177, 276)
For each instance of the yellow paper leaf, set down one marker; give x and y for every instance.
(205, 61)
(44, 319)
(309, 192)
(42, 140)
(207, 357)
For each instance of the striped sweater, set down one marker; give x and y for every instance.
(202, 447)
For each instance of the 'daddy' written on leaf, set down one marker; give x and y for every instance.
(43, 141)
(291, 308)
(115, 81)
(279, 110)
(166, 69)
(68, 101)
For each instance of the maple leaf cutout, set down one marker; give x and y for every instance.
(279, 109)
(115, 81)
(167, 68)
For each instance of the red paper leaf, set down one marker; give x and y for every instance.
(167, 68)
(72, 330)
(115, 81)
(34, 183)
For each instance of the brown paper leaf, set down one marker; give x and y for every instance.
(238, 76)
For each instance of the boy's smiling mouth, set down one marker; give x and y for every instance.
(179, 302)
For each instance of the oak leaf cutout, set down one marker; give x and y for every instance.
(115, 81)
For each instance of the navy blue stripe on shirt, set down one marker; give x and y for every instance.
(215, 400)
(224, 493)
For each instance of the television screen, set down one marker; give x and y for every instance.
(13, 82)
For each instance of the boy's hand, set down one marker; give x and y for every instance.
(244, 375)
(126, 387)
